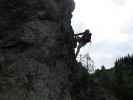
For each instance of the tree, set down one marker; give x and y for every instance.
(87, 62)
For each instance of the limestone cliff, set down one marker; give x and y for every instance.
(35, 49)
(37, 60)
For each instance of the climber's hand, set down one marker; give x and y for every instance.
(75, 34)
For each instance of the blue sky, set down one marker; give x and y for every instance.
(111, 23)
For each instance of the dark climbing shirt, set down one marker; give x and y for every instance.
(86, 37)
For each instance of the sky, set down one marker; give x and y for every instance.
(111, 25)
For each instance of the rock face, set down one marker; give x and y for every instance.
(37, 60)
(36, 50)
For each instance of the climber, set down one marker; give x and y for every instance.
(85, 38)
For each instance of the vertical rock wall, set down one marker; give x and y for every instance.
(37, 60)
(36, 49)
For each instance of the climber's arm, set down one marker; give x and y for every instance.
(78, 34)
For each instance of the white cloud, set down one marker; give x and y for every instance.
(101, 16)
(108, 21)
(119, 2)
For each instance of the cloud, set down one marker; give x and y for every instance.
(110, 22)
(105, 53)
(119, 2)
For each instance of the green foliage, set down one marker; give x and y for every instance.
(84, 86)
(124, 77)
(118, 80)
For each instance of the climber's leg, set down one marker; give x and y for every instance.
(78, 49)
(81, 44)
